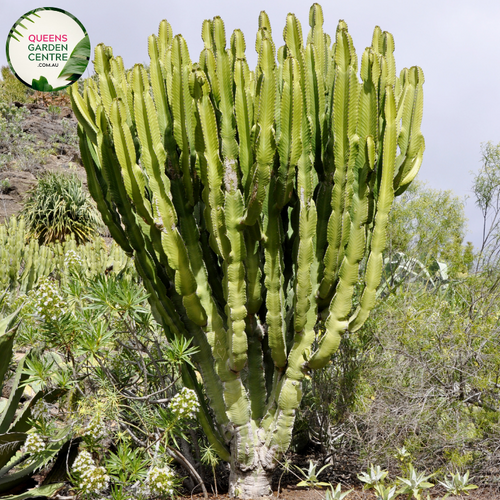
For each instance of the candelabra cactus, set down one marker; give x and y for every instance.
(255, 204)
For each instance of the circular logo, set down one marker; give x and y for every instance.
(48, 49)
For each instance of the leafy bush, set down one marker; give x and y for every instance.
(59, 206)
(127, 405)
(11, 118)
(429, 381)
(11, 89)
(5, 185)
(68, 136)
(423, 373)
(428, 225)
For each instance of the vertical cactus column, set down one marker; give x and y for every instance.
(255, 204)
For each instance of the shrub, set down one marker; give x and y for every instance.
(59, 206)
(5, 185)
(11, 118)
(11, 89)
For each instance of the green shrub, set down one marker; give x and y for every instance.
(5, 185)
(11, 118)
(59, 206)
(11, 89)
(127, 409)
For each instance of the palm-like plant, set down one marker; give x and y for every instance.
(59, 206)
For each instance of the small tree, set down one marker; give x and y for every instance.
(256, 205)
(429, 224)
(486, 188)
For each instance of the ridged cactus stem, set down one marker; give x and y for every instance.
(255, 205)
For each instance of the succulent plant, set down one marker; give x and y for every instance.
(255, 204)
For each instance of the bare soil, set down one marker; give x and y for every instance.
(294, 493)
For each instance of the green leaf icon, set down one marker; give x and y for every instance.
(77, 63)
(41, 84)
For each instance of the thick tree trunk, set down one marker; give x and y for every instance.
(250, 484)
(253, 483)
(253, 480)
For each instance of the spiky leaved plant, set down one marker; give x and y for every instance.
(57, 207)
(255, 204)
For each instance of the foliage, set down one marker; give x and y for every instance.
(11, 133)
(456, 484)
(105, 320)
(337, 493)
(22, 448)
(19, 149)
(59, 207)
(127, 465)
(373, 476)
(68, 135)
(433, 368)
(414, 484)
(210, 458)
(429, 225)
(434, 364)
(311, 476)
(5, 185)
(486, 188)
(385, 492)
(331, 394)
(54, 111)
(123, 377)
(11, 89)
(23, 263)
(422, 374)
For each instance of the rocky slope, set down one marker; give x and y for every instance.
(47, 143)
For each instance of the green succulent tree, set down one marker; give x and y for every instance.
(255, 204)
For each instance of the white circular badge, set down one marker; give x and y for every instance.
(48, 49)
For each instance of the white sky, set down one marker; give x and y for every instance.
(456, 42)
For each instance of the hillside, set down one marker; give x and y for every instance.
(34, 138)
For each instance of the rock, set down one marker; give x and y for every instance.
(44, 130)
(66, 113)
(20, 184)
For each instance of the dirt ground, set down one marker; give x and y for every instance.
(65, 158)
(293, 493)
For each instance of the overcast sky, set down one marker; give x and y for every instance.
(456, 42)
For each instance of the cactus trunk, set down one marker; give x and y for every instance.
(251, 480)
(255, 205)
